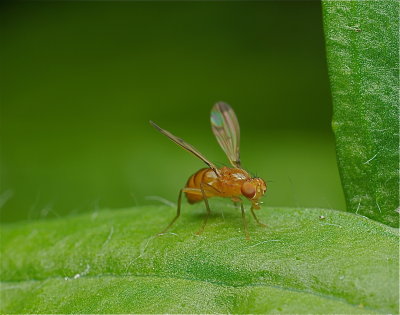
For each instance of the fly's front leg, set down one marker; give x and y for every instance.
(246, 231)
(207, 209)
(178, 212)
(255, 218)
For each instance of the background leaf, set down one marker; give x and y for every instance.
(110, 262)
(362, 42)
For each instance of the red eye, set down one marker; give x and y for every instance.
(248, 190)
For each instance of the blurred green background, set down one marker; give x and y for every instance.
(80, 81)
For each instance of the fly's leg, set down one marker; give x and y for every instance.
(255, 218)
(207, 208)
(246, 231)
(178, 212)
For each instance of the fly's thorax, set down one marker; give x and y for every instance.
(234, 174)
(230, 181)
(253, 189)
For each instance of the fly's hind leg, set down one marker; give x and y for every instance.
(255, 218)
(178, 212)
(207, 209)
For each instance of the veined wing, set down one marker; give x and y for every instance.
(186, 146)
(225, 127)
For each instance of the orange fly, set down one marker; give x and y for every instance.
(230, 182)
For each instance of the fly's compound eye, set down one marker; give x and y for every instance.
(248, 190)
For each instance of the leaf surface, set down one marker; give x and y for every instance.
(362, 43)
(110, 262)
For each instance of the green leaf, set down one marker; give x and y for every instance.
(362, 43)
(110, 262)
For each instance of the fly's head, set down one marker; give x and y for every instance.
(253, 189)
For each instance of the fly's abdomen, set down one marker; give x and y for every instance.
(194, 182)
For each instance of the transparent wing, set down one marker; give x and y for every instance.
(186, 146)
(225, 127)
